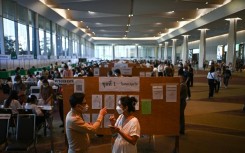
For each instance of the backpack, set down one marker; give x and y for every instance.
(6, 88)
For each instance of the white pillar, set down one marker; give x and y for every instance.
(113, 52)
(160, 51)
(185, 48)
(166, 50)
(202, 48)
(231, 53)
(174, 51)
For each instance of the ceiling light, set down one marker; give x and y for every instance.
(128, 25)
(158, 23)
(127, 31)
(90, 12)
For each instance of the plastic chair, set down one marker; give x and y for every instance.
(25, 139)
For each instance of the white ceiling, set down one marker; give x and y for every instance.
(151, 18)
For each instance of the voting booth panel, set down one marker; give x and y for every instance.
(158, 99)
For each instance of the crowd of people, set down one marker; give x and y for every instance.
(125, 129)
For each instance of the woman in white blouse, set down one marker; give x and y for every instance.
(12, 102)
(126, 129)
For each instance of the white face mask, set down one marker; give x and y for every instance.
(119, 110)
(83, 109)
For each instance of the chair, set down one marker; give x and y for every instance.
(4, 124)
(12, 120)
(25, 111)
(25, 134)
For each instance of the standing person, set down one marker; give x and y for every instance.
(211, 81)
(227, 76)
(20, 87)
(219, 79)
(126, 129)
(67, 72)
(183, 96)
(76, 128)
(186, 74)
(46, 93)
(191, 72)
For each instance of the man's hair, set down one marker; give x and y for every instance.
(76, 98)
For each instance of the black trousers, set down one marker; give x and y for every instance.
(211, 87)
(182, 115)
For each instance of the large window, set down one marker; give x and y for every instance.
(22, 38)
(41, 42)
(9, 36)
(103, 52)
(125, 51)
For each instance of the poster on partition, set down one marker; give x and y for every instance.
(79, 86)
(171, 93)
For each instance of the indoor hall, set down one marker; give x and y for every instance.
(212, 125)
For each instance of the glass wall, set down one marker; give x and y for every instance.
(9, 36)
(28, 33)
(103, 52)
(127, 51)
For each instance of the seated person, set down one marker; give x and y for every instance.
(32, 104)
(12, 102)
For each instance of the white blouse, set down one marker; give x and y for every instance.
(131, 128)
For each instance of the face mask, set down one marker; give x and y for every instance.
(119, 110)
(83, 109)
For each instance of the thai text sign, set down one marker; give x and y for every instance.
(121, 84)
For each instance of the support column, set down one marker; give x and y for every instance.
(231, 53)
(160, 51)
(137, 51)
(185, 49)
(202, 48)
(166, 50)
(174, 51)
(113, 52)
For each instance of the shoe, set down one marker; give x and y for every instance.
(187, 98)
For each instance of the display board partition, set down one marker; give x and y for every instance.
(158, 109)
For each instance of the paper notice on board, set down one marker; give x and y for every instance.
(171, 93)
(146, 106)
(157, 92)
(109, 101)
(86, 118)
(79, 85)
(107, 120)
(96, 101)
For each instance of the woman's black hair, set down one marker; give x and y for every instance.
(32, 99)
(130, 102)
(76, 98)
(13, 95)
